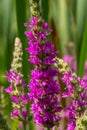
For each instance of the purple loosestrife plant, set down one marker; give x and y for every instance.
(44, 87)
(76, 91)
(16, 88)
(45, 92)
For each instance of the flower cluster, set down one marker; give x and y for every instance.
(44, 87)
(19, 99)
(76, 90)
(17, 83)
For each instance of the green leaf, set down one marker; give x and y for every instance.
(59, 13)
(5, 48)
(81, 15)
(83, 53)
(21, 18)
(45, 9)
(73, 4)
(21, 11)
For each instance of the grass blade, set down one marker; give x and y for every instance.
(45, 9)
(59, 13)
(21, 19)
(83, 53)
(81, 15)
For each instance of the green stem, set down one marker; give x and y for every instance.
(48, 128)
(24, 126)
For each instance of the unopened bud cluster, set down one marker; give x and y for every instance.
(17, 56)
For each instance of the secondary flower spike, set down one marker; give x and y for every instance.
(76, 91)
(17, 83)
(44, 87)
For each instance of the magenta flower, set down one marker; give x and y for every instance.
(44, 87)
(71, 126)
(14, 99)
(69, 89)
(25, 113)
(9, 89)
(12, 77)
(24, 98)
(76, 90)
(15, 113)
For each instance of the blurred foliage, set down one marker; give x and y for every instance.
(68, 19)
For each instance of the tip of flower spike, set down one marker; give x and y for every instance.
(17, 44)
(17, 39)
(17, 56)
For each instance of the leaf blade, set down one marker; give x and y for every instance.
(83, 53)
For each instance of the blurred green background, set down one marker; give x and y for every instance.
(68, 19)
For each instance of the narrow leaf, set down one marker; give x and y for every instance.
(83, 53)
(21, 19)
(45, 9)
(81, 15)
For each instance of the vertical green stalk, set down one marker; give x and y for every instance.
(45, 9)
(63, 26)
(24, 125)
(81, 16)
(48, 128)
(83, 52)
